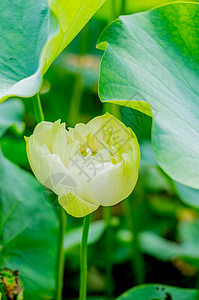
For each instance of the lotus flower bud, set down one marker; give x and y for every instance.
(87, 166)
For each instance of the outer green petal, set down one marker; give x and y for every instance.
(117, 182)
(60, 141)
(75, 206)
(34, 156)
(114, 184)
(48, 167)
(55, 176)
(43, 134)
(84, 169)
(80, 132)
(118, 129)
(37, 145)
(135, 148)
(99, 121)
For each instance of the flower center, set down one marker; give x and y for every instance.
(86, 151)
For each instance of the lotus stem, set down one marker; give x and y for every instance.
(83, 258)
(109, 245)
(38, 108)
(61, 257)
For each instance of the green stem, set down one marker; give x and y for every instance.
(83, 258)
(123, 7)
(113, 109)
(84, 41)
(75, 103)
(114, 10)
(61, 258)
(38, 108)
(138, 261)
(108, 251)
(73, 112)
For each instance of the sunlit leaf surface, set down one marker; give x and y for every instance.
(151, 64)
(32, 35)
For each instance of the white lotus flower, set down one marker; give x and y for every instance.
(91, 165)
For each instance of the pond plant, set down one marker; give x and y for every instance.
(111, 132)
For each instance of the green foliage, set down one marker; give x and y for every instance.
(28, 231)
(10, 116)
(151, 62)
(159, 292)
(114, 8)
(22, 37)
(71, 17)
(187, 247)
(34, 41)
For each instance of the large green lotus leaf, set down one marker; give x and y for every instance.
(32, 35)
(72, 16)
(11, 114)
(24, 27)
(151, 64)
(28, 231)
(159, 292)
